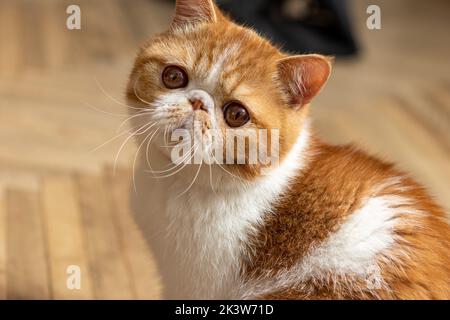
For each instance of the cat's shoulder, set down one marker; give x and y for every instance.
(352, 218)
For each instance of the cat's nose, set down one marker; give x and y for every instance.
(197, 104)
(200, 100)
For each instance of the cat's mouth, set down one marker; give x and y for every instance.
(198, 119)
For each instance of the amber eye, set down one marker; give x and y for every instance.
(235, 114)
(174, 77)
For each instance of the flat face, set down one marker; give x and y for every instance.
(232, 71)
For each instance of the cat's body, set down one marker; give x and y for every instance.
(350, 226)
(200, 238)
(364, 231)
(328, 222)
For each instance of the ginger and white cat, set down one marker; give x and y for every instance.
(328, 222)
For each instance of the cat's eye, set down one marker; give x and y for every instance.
(235, 114)
(174, 77)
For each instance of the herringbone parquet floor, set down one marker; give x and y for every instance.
(60, 98)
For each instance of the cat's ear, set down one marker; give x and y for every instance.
(189, 12)
(303, 76)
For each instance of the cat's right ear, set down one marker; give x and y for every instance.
(189, 12)
(303, 76)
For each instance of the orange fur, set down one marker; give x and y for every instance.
(261, 78)
(277, 89)
(320, 200)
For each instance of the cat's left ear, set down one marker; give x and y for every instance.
(188, 12)
(303, 76)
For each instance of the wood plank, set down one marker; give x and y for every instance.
(10, 52)
(140, 260)
(27, 267)
(57, 78)
(139, 21)
(96, 45)
(401, 139)
(31, 35)
(65, 237)
(53, 27)
(3, 241)
(110, 275)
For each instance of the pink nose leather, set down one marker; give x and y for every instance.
(197, 105)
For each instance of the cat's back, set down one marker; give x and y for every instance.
(351, 226)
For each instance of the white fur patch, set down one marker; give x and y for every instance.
(209, 229)
(203, 96)
(201, 235)
(219, 64)
(354, 251)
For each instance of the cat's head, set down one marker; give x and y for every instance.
(210, 74)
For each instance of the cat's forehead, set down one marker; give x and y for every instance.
(225, 55)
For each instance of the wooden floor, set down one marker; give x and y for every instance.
(61, 97)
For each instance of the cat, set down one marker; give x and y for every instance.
(324, 222)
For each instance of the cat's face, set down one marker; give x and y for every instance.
(215, 79)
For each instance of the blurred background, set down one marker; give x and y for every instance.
(62, 106)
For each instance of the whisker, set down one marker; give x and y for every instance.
(165, 133)
(111, 97)
(193, 181)
(148, 160)
(182, 162)
(87, 104)
(233, 175)
(210, 173)
(116, 137)
(136, 133)
(142, 113)
(152, 134)
(147, 155)
(147, 149)
(108, 141)
(171, 174)
(136, 94)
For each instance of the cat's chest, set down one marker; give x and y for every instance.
(205, 235)
(224, 216)
(211, 221)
